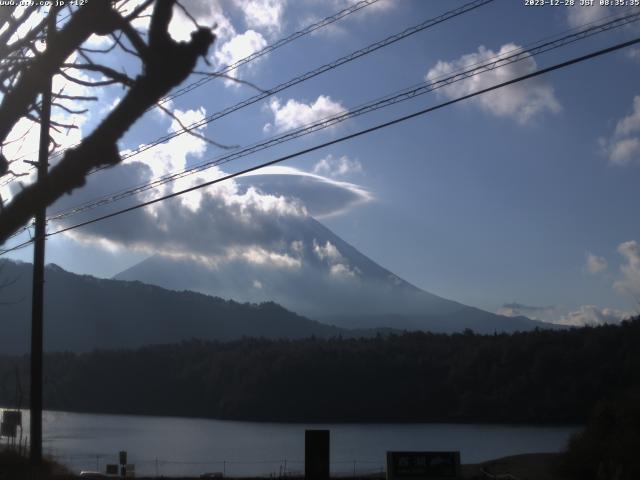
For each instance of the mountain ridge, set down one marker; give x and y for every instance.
(83, 313)
(332, 282)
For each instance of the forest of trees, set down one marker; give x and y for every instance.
(608, 446)
(534, 377)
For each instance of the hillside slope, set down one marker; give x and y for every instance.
(83, 313)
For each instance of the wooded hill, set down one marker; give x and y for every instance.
(533, 377)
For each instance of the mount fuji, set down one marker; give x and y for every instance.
(320, 276)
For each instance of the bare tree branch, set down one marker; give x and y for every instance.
(6, 13)
(12, 173)
(188, 14)
(166, 64)
(192, 131)
(232, 79)
(86, 83)
(54, 124)
(134, 38)
(74, 97)
(100, 50)
(28, 39)
(9, 142)
(13, 23)
(106, 71)
(95, 17)
(117, 40)
(138, 10)
(69, 110)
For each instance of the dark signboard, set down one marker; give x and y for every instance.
(428, 465)
(11, 420)
(316, 454)
(12, 417)
(123, 457)
(8, 430)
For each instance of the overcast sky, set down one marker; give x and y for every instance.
(524, 201)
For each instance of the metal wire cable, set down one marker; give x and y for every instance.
(315, 72)
(270, 48)
(380, 126)
(249, 58)
(495, 62)
(308, 75)
(406, 94)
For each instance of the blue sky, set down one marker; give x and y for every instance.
(524, 201)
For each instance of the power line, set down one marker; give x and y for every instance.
(406, 94)
(495, 62)
(270, 48)
(380, 126)
(249, 58)
(319, 70)
(308, 75)
(314, 73)
(59, 21)
(17, 247)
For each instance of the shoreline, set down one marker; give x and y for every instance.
(532, 466)
(317, 422)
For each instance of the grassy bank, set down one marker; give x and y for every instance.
(534, 466)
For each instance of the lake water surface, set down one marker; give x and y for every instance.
(172, 446)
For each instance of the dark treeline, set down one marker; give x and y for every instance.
(540, 376)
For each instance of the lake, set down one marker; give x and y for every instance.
(172, 446)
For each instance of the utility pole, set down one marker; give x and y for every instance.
(37, 302)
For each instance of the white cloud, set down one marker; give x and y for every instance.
(229, 46)
(322, 197)
(23, 140)
(266, 14)
(207, 13)
(172, 156)
(337, 167)
(544, 314)
(521, 101)
(630, 281)
(237, 48)
(342, 270)
(379, 6)
(631, 123)
(579, 15)
(295, 114)
(623, 147)
(590, 315)
(297, 246)
(331, 256)
(221, 223)
(340, 28)
(584, 315)
(328, 252)
(623, 152)
(595, 264)
(233, 221)
(98, 41)
(27, 24)
(240, 46)
(108, 107)
(634, 53)
(261, 256)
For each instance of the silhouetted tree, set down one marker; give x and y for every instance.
(608, 447)
(25, 66)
